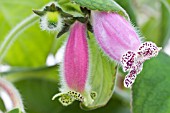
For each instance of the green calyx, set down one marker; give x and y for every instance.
(51, 8)
(69, 97)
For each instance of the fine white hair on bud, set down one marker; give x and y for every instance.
(51, 21)
(50, 17)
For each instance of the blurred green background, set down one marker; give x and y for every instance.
(25, 62)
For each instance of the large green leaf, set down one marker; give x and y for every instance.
(14, 11)
(30, 49)
(37, 94)
(102, 5)
(150, 91)
(30, 45)
(68, 7)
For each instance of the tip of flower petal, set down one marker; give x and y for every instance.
(134, 62)
(56, 95)
(159, 48)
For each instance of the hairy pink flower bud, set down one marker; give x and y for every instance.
(76, 59)
(119, 40)
(75, 68)
(114, 34)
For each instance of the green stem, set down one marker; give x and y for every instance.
(14, 33)
(15, 74)
(123, 94)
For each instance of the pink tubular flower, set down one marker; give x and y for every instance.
(114, 34)
(119, 40)
(75, 68)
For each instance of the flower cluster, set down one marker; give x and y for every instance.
(115, 36)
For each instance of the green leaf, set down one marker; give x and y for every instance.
(10, 15)
(69, 7)
(165, 22)
(30, 49)
(103, 74)
(150, 92)
(37, 94)
(24, 45)
(102, 5)
(17, 110)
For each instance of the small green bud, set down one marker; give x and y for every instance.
(50, 18)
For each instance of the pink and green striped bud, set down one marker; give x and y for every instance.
(75, 68)
(120, 41)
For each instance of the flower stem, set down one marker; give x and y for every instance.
(14, 33)
(15, 98)
(124, 95)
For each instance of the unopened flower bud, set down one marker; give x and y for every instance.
(50, 18)
(51, 21)
(114, 34)
(119, 40)
(75, 68)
